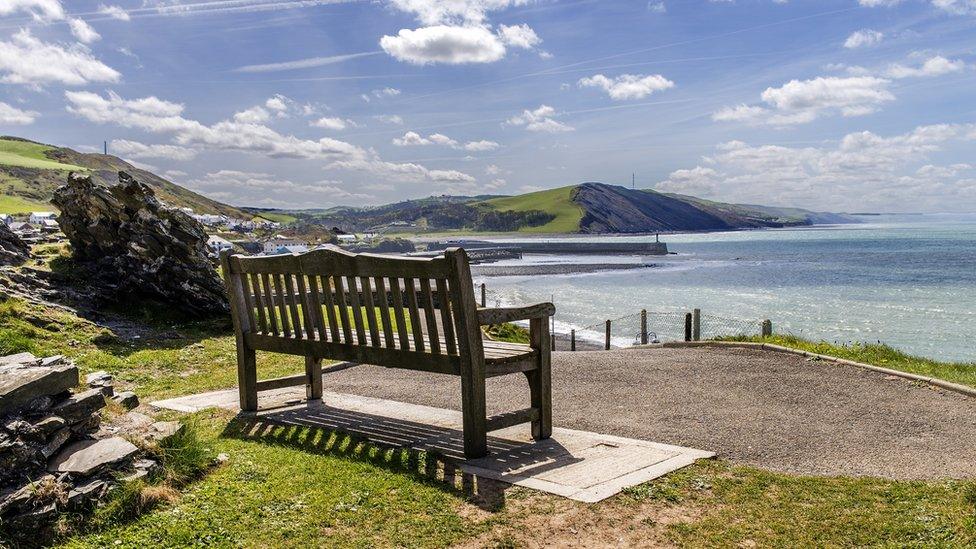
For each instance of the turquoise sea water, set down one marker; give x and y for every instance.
(909, 281)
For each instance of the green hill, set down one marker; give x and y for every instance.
(558, 202)
(30, 171)
(601, 208)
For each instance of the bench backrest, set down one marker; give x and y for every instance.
(417, 313)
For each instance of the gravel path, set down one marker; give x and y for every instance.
(772, 410)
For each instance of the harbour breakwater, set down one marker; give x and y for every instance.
(573, 247)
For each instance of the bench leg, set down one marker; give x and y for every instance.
(474, 412)
(540, 379)
(247, 378)
(313, 383)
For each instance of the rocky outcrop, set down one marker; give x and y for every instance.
(13, 250)
(128, 246)
(56, 454)
(613, 209)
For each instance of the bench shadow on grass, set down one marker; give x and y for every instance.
(427, 453)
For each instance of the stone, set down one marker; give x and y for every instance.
(162, 432)
(88, 457)
(81, 406)
(56, 442)
(88, 425)
(50, 424)
(127, 399)
(20, 383)
(19, 358)
(86, 492)
(29, 524)
(13, 250)
(52, 360)
(130, 247)
(99, 378)
(15, 498)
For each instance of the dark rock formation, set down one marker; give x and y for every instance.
(387, 246)
(13, 250)
(56, 456)
(613, 209)
(129, 246)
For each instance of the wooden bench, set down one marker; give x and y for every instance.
(411, 313)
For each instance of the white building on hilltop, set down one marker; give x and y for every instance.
(37, 218)
(218, 244)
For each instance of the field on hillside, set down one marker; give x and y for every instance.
(554, 201)
(30, 155)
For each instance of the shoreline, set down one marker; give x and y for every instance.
(553, 269)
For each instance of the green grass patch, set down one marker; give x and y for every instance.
(10, 204)
(512, 333)
(747, 507)
(878, 355)
(277, 217)
(295, 487)
(554, 201)
(25, 154)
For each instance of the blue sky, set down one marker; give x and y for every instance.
(843, 105)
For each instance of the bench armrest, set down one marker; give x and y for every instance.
(501, 315)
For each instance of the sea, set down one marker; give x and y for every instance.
(905, 280)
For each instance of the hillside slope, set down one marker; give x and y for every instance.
(29, 173)
(601, 208)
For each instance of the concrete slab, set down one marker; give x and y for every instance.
(579, 465)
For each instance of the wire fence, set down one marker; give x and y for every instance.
(646, 326)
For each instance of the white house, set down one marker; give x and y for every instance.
(272, 246)
(346, 238)
(292, 249)
(37, 217)
(218, 244)
(7, 219)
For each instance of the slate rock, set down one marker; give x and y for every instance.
(80, 406)
(21, 383)
(13, 250)
(19, 358)
(56, 442)
(99, 378)
(130, 247)
(50, 424)
(127, 399)
(88, 457)
(86, 492)
(163, 432)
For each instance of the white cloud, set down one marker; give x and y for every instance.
(40, 10)
(394, 119)
(13, 116)
(956, 7)
(159, 116)
(432, 12)
(386, 92)
(935, 66)
(444, 44)
(278, 103)
(627, 86)
(83, 31)
(539, 120)
(740, 113)
(519, 36)
(332, 123)
(263, 189)
(456, 32)
(27, 60)
(657, 6)
(306, 63)
(882, 172)
(115, 12)
(134, 149)
(414, 139)
(863, 38)
(253, 115)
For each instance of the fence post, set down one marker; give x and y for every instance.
(696, 325)
(767, 328)
(607, 345)
(572, 339)
(643, 334)
(687, 326)
(484, 296)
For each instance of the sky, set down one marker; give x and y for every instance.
(836, 105)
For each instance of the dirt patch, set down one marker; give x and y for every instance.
(772, 410)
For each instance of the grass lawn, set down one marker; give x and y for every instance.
(30, 155)
(878, 355)
(10, 204)
(295, 487)
(555, 201)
